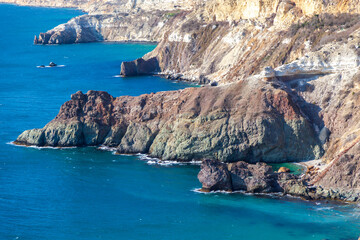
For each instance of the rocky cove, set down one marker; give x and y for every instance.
(285, 88)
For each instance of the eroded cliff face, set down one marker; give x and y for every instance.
(111, 20)
(122, 27)
(49, 3)
(251, 121)
(205, 51)
(111, 6)
(285, 10)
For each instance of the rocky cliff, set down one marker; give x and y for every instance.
(112, 20)
(49, 3)
(111, 6)
(252, 120)
(231, 51)
(140, 26)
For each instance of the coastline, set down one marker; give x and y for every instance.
(41, 5)
(172, 76)
(74, 7)
(57, 193)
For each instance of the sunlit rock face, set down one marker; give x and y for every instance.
(241, 121)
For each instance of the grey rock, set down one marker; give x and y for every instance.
(140, 67)
(324, 135)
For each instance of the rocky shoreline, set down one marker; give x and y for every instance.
(261, 179)
(281, 78)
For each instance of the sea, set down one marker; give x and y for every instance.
(90, 193)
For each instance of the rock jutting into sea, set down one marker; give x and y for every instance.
(260, 178)
(245, 120)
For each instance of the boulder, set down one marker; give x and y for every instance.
(52, 64)
(239, 176)
(214, 176)
(140, 67)
(255, 178)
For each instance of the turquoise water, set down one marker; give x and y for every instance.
(91, 194)
(294, 168)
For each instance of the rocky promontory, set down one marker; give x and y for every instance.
(140, 26)
(250, 120)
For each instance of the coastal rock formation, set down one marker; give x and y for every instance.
(140, 67)
(112, 20)
(249, 120)
(242, 176)
(231, 51)
(239, 176)
(286, 10)
(260, 178)
(49, 3)
(215, 176)
(111, 6)
(140, 26)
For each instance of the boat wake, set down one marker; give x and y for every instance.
(58, 66)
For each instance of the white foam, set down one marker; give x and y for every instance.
(105, 148)
(117, 76)
(323, 208)
(157, 161)
(37, 147)
(198, 190)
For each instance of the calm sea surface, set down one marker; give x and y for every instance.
(91, 194)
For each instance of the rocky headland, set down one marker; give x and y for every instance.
(281, 83)
(253, 121)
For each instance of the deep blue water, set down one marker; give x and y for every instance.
(91, 194)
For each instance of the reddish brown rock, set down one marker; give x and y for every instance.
(249, 121)
(214, 176)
